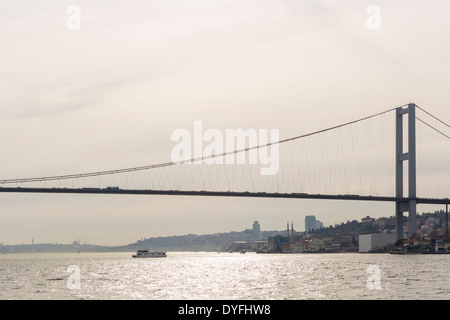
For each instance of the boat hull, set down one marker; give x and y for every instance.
(149, 254)
(142, 257)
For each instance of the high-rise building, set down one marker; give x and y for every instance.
(319, 224)
(312, 224)
(256, 227)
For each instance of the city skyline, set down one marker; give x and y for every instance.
(427, 227)
(110, 94)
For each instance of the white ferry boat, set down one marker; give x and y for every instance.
(149, 254)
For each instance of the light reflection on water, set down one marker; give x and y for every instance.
(224, 276)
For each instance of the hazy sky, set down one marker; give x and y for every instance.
(109, 94)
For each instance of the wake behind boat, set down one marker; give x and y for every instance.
(149, 254)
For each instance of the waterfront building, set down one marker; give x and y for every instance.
(259, 245)
(314, 245)
(298, 247)
(239, 246)
(278, 242)
(292, 241)
(369, 242)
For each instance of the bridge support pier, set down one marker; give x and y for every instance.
(446, 221)
(398, 221)
(409, 204)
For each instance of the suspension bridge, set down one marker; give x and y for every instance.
(315, 165)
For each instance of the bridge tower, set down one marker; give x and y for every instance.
(410, 203)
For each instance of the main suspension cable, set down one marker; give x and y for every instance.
(192, 160)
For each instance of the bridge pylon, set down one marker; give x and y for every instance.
(403, 204)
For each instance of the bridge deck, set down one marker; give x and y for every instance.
(221, 194)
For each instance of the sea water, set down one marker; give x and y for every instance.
(223, 276)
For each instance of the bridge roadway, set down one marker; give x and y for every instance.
(221, 194)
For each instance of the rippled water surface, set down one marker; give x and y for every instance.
(224, 276)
